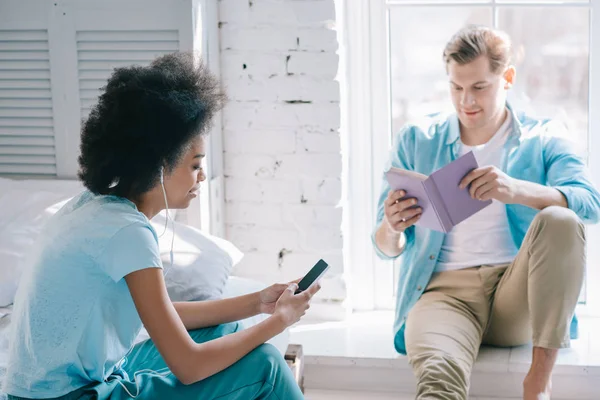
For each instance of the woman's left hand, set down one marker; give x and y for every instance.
(269, 296)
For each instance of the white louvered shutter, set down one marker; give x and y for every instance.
(26, 119)
(99, 52)
(55, 57)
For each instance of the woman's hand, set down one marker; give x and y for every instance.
(290, 307)
(268, 297)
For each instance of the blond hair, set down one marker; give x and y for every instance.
(474, 41)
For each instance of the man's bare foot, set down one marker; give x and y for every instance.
(536, 389)
(537, 384)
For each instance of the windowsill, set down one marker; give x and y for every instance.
(365, 342)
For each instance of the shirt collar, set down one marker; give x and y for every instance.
(454, 126)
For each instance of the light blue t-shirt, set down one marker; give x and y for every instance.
(74, 318)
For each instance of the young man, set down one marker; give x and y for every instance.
(511, 273)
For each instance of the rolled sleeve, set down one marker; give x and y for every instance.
(567, 172)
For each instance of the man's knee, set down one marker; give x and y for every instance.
(560, 223)
(555, 217)
(440, 374)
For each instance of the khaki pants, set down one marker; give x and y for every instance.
(533, 298)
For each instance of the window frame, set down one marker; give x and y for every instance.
(367, 113)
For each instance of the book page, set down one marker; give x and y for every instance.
(405, 172)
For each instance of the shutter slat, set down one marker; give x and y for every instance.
(130, 46)
(27, 159)
(100, 75)
(92, 83)
(27, 150)
(23, 45)
(25, 94)
(31, 74)
(33, 113)
(25, 84)
(26, 103)
(24, 65)
(128, 56)
(26, 122)
(88, 103)
(109, 65)
(18, 169)
(89, 94)
(40, 35)
(26, 131)
(24, 55)
(119, 36)
(26, 141)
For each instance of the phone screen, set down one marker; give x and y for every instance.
(312, 275)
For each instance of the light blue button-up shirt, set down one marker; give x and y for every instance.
(536, 150)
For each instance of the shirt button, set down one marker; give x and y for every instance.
(419, 288)
(431, 257)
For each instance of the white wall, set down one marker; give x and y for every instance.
(282, 151)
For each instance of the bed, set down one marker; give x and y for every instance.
(201, 263)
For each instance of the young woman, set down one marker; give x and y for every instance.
(98, 275)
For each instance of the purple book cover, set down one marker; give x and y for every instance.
(444, 204)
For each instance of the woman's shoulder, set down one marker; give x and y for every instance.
(100, 217)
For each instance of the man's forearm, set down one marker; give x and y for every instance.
(390, 243)
(539, 196)
(200, 314)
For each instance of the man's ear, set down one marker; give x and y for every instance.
(509, 77)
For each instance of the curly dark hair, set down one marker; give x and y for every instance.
(145, 119)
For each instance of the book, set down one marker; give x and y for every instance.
(444, 204)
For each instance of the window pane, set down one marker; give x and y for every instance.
(551, 50)
(441, 2)
(418, 35)
(551, 46)
(543, 1)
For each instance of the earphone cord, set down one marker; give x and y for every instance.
(164, 372)
(166, 222)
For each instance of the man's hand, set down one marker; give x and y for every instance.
(400, 212)
(491, 183)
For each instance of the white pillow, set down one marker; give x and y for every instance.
(201, 262)
(25, 206)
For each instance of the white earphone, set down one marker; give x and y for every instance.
(162, 184)
(163, 372)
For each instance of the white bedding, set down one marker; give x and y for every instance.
(235, 287)
(4, 321)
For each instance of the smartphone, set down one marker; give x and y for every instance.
(312, 276)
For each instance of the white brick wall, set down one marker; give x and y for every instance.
(281, 138)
